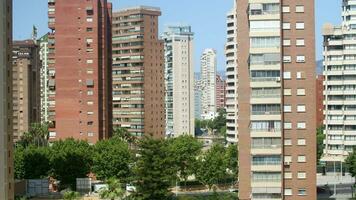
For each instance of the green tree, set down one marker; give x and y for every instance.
(112, 159)
(212, 166)
(320, 142)
(183, 151)
(231, 157)
(71, 195)
(37, 135)
(31, 162)
(70, 159)
(351, 164)
(113, 191)
(125, 135)
(153, 170)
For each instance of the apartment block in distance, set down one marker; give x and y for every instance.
(6, 137)
(79, 65)
(208, 64)
(138, 72)
(276, 99)
(340, 85)
(26, 66)
(179, 80)
(44, 77)
(231, 77)
(220, 93)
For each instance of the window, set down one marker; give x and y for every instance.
(89, 61)
(299, 9)
(90, 134)
(89, 19)
(89, 29)
(287, 125)
(287, 59)
(301, 108)
(302, 192)
(302, 175)
(90, 71)
(90, 103)
(301, 92)
(286, 26)
(300, 59)
(288, 192)
(301, 125)
(265, 42)
(90, 113)
(287, 75)
(90, 92)
(288, 175)
(287, 108)
(301, 159)
(285, 9)
(286, 42)
(300, 75)
(287, 142)
(288, 159)
(287, 92)
(301, 142)
(299, 42)
(299, 25)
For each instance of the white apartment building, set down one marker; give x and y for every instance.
(208, 64)
(340, 85)
(231, 78)
(179, 80)
(44, 77)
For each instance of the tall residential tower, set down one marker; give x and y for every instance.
(179, 80)
(6, 141)
(208, 64)
(276, 99)
(231, 77)
(138, 72)
(79, 65)
(340, 85)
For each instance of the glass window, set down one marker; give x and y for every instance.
(301, 159)
(301, 108)
(301, 142)
(287, 75)
(285, 9)
(288, 192)
(286, 26)
(299, 9)
(299, 25)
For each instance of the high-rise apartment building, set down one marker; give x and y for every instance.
(6, 140)
(340, 85)
(276, 99)
(44, 77)
(231, 77)
(26, 66)
(208, 64)
(179, 80)
(79, 66)
(138, 72)
(220, 93)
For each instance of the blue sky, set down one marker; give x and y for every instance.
(207, 18)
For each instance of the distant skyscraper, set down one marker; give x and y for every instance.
(276, 99)
(231, 77)
(220, 93)
(179, 80)
(319, 100)
(26, 66)
(6, 137)
(138, 72)
(340, 85)
(197, 98)
(79, 65)
(44, 78)
(208, 83)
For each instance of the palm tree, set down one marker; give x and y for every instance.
(125, 135)
(113, 191)
(37, 134)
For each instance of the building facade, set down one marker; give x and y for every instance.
(26, 66)
(79, 66)
(276, 99)
(6, 137)
(340, 85)
(138, 72)
(44, 77)
(220, 93)
(319, 101)
(231, 77)
(197, 99)
(179, 80)
(208, 64)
